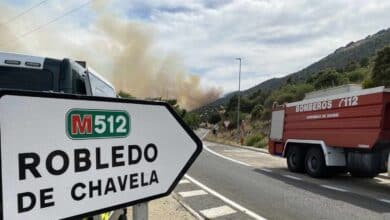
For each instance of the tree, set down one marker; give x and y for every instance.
(257, 111)
(358, 75)
(246, 105)
(214, 118)
(330, 78)
(124, 94)
(381, 71)
(364, 62)
(289, 80)
(192, 120)
(232, 104)
(288, 93)
(351, 66)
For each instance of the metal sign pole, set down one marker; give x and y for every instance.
(388, 165)
(140, 211)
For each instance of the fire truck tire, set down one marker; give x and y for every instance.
(315, 163)
(296, 159)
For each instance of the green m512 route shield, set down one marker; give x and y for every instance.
(86, 123)
(69, 157)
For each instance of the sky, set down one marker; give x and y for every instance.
(273, 37)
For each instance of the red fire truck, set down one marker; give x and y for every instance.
(345, 129)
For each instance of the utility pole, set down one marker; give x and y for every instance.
(238, 101)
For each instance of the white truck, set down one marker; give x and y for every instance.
(24, 72)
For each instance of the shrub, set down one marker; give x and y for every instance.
(381, 71)
(257, 111)
(330, 78)
(257, 140)
(214, 118)
(261, 144)
(192, 120)
(357, 75)
(253, 139)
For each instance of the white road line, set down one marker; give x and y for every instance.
(236, 151)
(334, 188)
(385, 200)
(228, 201)
(292, 177)
(186, 206)
(224, 157)
(266, 170)
(192, 193)
(183, 181)
(217, 212)
(205, 134)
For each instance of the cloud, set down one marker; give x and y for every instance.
(274, 38)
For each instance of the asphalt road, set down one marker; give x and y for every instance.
(262, 184)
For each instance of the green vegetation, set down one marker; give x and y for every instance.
(192, 119)
(124, 94)
(214, 118)
(257, 112)
(256, 141)
(381, 71)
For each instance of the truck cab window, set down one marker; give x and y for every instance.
(100, 88)
(26, 79)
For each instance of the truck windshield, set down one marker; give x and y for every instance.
(25, 79)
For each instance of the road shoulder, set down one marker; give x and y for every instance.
(166, 208)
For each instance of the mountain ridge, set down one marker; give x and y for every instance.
(340, 58)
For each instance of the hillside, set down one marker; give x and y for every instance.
(353, 52)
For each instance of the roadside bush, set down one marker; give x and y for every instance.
(368, 83)
(358, 75)
(192, 120)
(256, 140)
(253, 139)
(261, 144)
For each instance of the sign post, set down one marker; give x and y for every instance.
(140, 211)
(66, 156)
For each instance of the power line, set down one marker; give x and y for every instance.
(24, 12)
(49, 22)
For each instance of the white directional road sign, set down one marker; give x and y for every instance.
(65, 156)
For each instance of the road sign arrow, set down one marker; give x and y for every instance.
(65, 156)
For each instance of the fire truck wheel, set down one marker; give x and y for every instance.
(315, 163)
(296, 159)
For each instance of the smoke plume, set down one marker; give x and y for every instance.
(121, 50)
